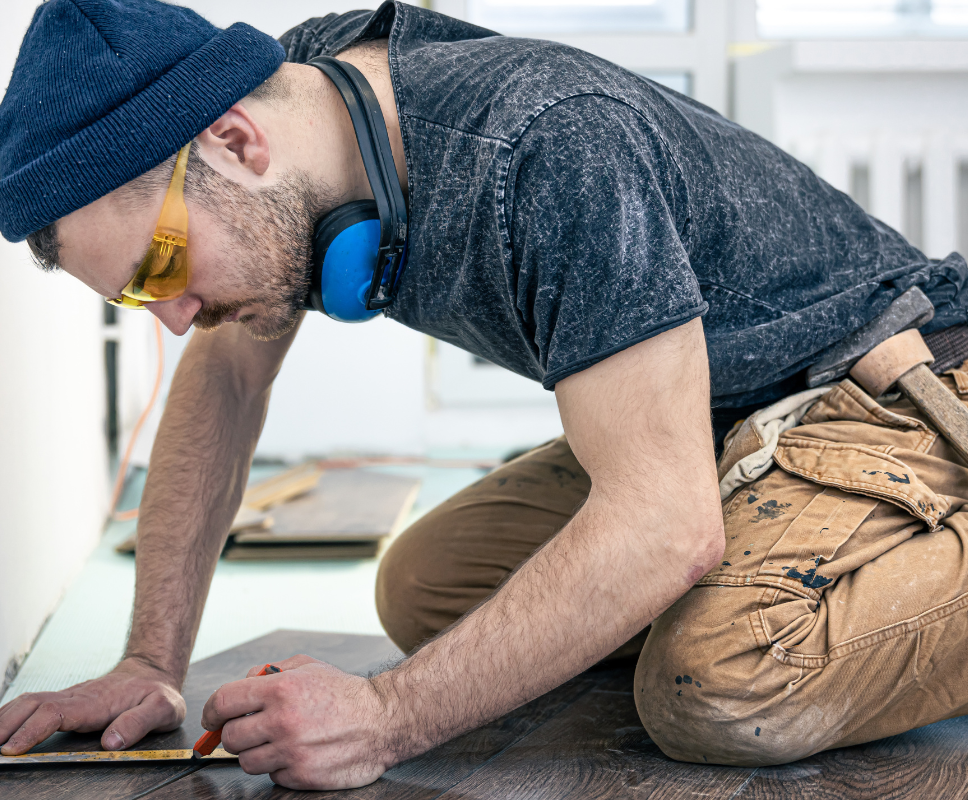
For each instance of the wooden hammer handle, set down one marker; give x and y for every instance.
(933, 399)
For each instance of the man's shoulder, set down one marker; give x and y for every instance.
(466, 78)
(323, 35)
(496, 87)
(335, 32)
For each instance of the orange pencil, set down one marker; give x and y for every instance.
(209, 740)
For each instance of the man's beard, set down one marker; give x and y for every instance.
(272, 231)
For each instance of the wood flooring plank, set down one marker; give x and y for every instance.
(582, 740)
(359, 654)
(597, 749)
(421, 778)
(81, 782)
(923, 764)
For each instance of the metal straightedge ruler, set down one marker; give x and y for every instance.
(108, 756)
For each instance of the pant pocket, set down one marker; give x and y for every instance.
(786, 533)
(803, 559)
(864, 470)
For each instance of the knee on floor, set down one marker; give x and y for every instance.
(724, 711)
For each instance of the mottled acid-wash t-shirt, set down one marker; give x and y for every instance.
(563, 209)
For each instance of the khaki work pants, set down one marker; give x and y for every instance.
(839, 614)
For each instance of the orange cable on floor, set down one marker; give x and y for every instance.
(124, 516)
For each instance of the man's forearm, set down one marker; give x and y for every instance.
(199, 466)
(590, 589)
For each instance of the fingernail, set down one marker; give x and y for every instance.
(113, 741)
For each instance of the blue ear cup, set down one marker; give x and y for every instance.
(359, 249)
(345, 253)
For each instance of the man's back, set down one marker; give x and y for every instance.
(563, 208)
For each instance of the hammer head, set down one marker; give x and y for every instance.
(912, 309)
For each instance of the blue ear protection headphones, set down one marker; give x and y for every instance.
(359, 248)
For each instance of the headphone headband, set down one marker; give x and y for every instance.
(374, 142)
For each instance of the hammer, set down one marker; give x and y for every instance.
(889, 351)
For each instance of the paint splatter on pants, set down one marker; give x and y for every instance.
(839, 614)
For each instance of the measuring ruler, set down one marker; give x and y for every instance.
(105, 756)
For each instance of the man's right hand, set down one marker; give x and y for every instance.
(129, 702)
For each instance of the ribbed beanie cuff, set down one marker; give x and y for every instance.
(133, 130)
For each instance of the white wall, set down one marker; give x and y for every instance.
(53, 462)
(895, 112)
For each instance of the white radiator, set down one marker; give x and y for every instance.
(916, 183)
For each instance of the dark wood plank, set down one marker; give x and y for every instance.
(420, 778)
(583, 740)
(595, 750)
(81, 782)
(923, 764)
(358, 654)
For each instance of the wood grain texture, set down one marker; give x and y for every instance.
(923, 764)
(421, 778)
(582, 740)
(933, 399)
(358, 654)
(346, 505)
(596, 750)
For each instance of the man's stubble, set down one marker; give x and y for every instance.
(271, 231)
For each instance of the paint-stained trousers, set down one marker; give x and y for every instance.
(839, 613)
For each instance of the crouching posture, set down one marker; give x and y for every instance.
(630, 249)
(838, 613)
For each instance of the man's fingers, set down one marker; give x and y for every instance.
(297, 661)
(262, 759)
(245, 733)
(155, 712)
(46, 719)
(233, 700)
(16, 713)
(288, 663)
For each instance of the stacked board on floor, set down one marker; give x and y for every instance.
(581, 741)
(345, 515)
(311, 513)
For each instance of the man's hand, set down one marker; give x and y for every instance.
(129, 702)
(311, 726)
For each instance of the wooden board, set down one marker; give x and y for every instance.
(346, 505)
(285, 551)
(336, 514)
(582, 741)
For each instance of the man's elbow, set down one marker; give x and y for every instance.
(704, 549)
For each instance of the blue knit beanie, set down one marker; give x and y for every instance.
(104, 90)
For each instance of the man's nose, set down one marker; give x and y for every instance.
(177, 314)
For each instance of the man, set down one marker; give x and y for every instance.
(630, 249)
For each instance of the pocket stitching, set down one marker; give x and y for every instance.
(865, 640)
(877, 491)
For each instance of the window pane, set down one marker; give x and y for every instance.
(781, 19)
(581, 16)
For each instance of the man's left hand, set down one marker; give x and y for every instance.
(311, 726)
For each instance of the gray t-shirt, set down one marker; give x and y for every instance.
(563, 209)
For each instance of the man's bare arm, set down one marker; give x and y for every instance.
(651, 527)
(199, 466)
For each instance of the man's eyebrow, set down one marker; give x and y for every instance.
(137, 264)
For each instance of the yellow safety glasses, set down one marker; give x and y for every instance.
(164, 273)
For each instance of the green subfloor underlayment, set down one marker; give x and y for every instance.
(86, 634)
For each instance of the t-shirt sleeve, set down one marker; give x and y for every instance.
(595, 210)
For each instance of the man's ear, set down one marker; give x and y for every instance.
(236, 145)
